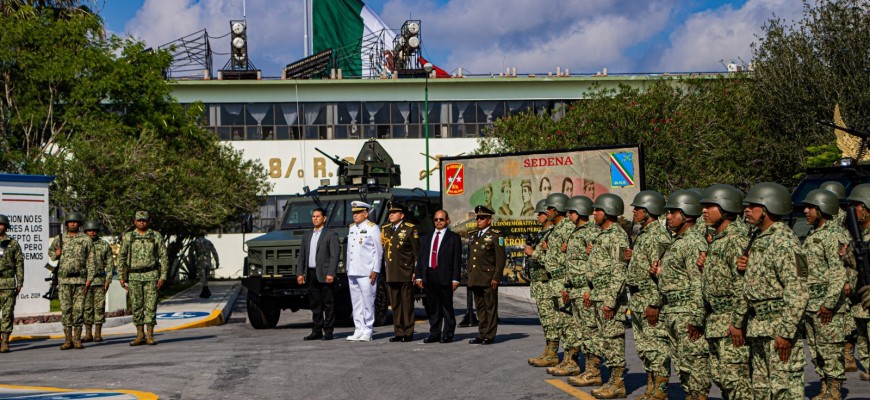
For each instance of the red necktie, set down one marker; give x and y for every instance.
(433, 261)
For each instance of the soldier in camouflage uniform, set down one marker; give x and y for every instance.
(722, 287)
(607, 296)
(76, 264)
(204, 252)
(554, 263)
(581, 322)
(538, 288)
(839, 222)
(649, 338)
(825, 317)
(95, 298)
(11, 281)
(143, 265)
(775, 273)
(860, 199)
(679, 283)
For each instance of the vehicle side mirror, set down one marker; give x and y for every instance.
(247, 223)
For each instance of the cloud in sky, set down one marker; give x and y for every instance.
(483, 35)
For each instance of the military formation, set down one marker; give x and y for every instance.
(718, 290)
(85, 267)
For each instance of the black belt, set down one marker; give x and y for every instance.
(72, 274)
(632, 289)
(143, 270)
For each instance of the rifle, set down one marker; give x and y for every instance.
(752, 237)
(52, 289)
(532, 240)
(862, 254)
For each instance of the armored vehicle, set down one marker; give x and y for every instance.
(270, 268)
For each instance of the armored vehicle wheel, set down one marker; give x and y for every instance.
(382, 302)
(261, 314)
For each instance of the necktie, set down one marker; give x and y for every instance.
(433, 260)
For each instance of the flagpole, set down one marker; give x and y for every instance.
(305, 27)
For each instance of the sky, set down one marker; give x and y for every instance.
(485, 36)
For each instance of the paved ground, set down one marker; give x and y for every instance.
(236, 361)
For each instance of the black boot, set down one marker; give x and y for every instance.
(466, 320)
(205, 293)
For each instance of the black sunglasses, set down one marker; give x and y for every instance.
(482, 217)
(440, 219)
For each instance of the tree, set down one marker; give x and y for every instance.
(803, 69)
(695, 132)
(98, 114)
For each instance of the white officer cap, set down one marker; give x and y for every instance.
(359, 206)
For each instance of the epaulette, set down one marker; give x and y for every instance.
(351, 225)
(385, 226)
(496, 231)
(370, 223)
(410, 225)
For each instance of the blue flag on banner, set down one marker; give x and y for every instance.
(622, 169)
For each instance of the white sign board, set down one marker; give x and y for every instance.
(24, 199)
(294, 164)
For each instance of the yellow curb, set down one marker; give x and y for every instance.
(567, 388)
(138, 394)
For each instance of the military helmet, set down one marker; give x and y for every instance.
(824, 199)
(610, 203)
(688, 201)
(581, 205)
(699, 191)
(74, 217)
(836, 187)
(727, 197)
(860, 194)
(557, 201)
(541, 206)
(93, 226)
(4, 220)
(774, 197)
(651, 201)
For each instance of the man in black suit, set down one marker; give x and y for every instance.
(317, 265)
(438, 273)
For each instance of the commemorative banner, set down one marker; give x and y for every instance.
(511, 184)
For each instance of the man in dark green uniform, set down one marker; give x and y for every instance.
(401, 244)
(486, 259)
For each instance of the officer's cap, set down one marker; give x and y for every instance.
(506, 183)
(526, 183)
(398, 207)
(483, 211)
(357, 206)
(142, 216)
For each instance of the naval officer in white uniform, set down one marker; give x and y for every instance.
(364, 252)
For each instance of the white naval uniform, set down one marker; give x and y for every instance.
(364, 252)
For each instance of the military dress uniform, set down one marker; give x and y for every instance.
(723, 297)
(825, 280)
(142, 262)
(777, 297)
(364, 254)
(683, 305)
(401, 246)
(95, 299)
(76, 264)
(11, 281)
(486, 261)
(650, 341)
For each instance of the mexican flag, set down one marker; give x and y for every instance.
(342, 25)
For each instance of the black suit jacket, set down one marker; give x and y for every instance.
(449, 258)
(326, 257)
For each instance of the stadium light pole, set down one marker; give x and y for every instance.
(428, 68)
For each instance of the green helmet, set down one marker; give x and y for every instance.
(74, 216)
(835, 187)
(610, 203)
(557, 201)
(4, 220)
(651, 201)
(93, 226)
(860, 194)
(581, 205)
(727, 197)
(688, 201)
(774, 197)
(541, 207)
(825, 200)
(699, 191)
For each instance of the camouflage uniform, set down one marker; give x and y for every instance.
(555, 261)
(606, 277)
(651, 347)
(204, 251)
(539, 288)
(142, 261)
(552, 319)
(861, 316)
(11, 280)
(77, 263)
(581, 324)
(726, 307)
(825, 280)
(95, 299)
(776, 294)
(679, 284)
